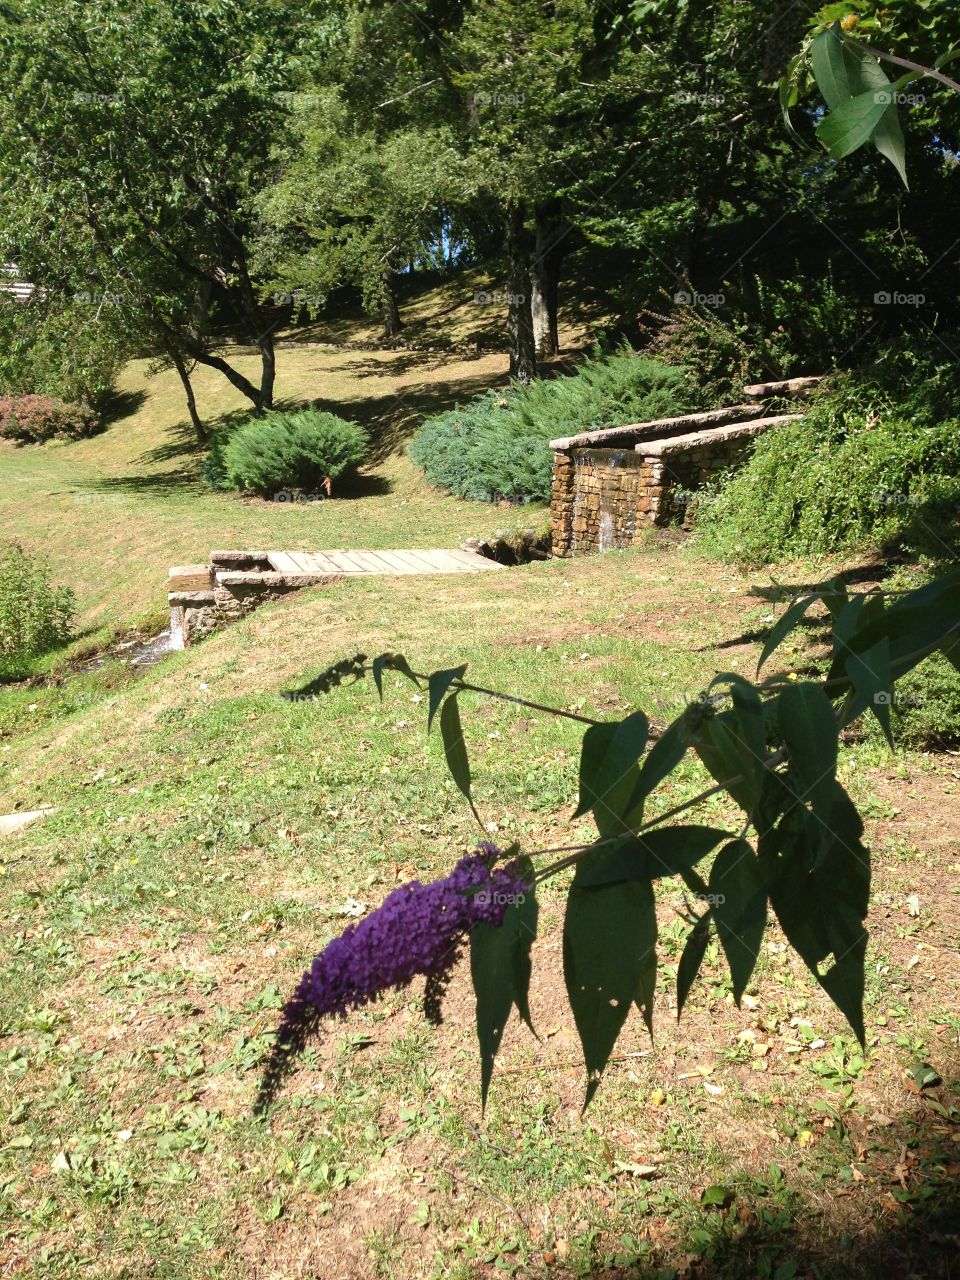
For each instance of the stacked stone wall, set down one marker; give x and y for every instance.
(605, 498)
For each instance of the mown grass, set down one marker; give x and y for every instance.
(208, 839)
(113, 513)
(210, 836)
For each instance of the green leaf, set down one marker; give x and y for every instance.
(666, 851)
(820, 895)
(733, 744)
(438, 683)
(867, 74)
(789, 96)
(850, 125)
(527, 913)
(835, 597)
(692, 959)
(739, 901)
(500, 970)
(454, 747)
(912, 623)
(870, 675)
(830, 68)
(717, 1196)
(808, 728)
(608, 934)
(664, 756)
(608, 771)
(730, 759)
(783, 626)
(889, 141)
(951, 651)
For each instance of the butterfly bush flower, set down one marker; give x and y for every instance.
(418, 930)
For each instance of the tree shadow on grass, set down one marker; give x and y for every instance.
(392, 420)
(181, 442)
(115, 406)
(158, 483)
(890, 1205)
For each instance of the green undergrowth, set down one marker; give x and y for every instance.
(874, 464)
(497, 445)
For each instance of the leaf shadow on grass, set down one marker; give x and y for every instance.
(779, 594)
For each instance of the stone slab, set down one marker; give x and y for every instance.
(194, 598)
(659, 426)
(238, 557)
(12, 822)
(787, 387)
(698, 439)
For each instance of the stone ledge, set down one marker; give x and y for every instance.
(698, 439)
(270, 580)
(712, 417)
(193, 598)
(239, 557)
(788, 387)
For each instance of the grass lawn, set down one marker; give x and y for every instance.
(209, 837)
(208, 840)
(113, 513)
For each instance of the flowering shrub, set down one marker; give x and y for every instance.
(35, 419)
(771, 746)
(419, 930)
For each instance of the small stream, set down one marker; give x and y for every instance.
(138, 654)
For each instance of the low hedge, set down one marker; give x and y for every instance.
(497, 446)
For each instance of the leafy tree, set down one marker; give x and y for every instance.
(352, 207)
(133, 141)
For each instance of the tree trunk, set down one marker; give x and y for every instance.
(392, 323)
(182, 370)
(549, 252)
(523, 356)
(268, 368)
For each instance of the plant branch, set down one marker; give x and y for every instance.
(918, 67)
(510, 697)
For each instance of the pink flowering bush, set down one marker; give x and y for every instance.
(35, 419)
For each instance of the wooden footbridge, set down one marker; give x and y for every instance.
(204, 597)
(326, 564)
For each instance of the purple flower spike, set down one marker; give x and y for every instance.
(417, 930)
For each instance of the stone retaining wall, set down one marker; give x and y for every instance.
(604, 498)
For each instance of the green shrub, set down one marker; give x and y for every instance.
(35, 616)
(717, 354)
(282, 451)
(36, 419)
(497, 446)
(926, 709)
(874, 463)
